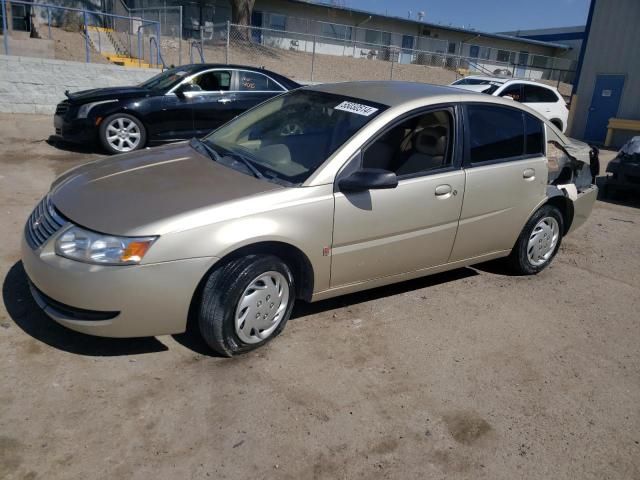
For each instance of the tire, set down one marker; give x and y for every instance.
(121, 133)
(532, 255)
(226, 292)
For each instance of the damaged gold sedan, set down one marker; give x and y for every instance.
(319, 192)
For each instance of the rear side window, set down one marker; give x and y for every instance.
(535, 94)
(257, 82)
(495, 133)
(535, 135)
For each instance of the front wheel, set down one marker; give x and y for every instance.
(538, 243)
(121, 133)
(245, 303)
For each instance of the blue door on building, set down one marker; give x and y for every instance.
(256, 21)
(604, 105)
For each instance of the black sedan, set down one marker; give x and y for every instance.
(174, 105)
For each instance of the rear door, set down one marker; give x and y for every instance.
(542, 100)
(506, 178)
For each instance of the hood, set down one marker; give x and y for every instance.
(111, 93)
(136, 193)
(473, 88)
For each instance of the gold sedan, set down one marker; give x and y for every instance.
(318, 192)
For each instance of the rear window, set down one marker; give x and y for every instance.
(495, 133)
(535, 94)
(535, 135)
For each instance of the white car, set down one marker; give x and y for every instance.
(542, 98)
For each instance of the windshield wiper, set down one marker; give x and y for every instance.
(199, 145)
(248, 163)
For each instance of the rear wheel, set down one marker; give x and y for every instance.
(245, 303)
(121, 133)
(539, 241)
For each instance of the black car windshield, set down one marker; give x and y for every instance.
(290, 136)
(166, 79)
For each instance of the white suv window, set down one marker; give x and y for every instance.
(536, 94)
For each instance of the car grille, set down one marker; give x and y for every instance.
(43, 222)
(62, 108)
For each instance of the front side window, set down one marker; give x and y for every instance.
(219, 80)
(288, 137)
(256, 82)
(495, 133)
(417, 145)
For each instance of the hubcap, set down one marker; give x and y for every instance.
(543, 240)
(123, 134)
(261, 307)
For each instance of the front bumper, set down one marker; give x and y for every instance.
(119, 301)
(76, 130)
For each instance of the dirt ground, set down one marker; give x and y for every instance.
(467, 375)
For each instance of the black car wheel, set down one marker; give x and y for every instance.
(120, 133)
(245, 303)
(538, 243)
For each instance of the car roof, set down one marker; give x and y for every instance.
(397, 94)
(199, 67)
(505, 80)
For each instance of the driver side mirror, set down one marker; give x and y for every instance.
(368, 179)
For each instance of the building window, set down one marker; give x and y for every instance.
(452, 47)
(277, 21)
(503, 55)
(341, 32)
(378, 37)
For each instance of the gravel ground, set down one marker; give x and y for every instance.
(465, 375)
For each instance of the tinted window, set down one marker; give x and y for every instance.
(512, 91)
(252, 81)
(534, 94)
(534, 135)
(419, 144)
(217, 81)
(495, 133)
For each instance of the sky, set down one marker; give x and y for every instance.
(484, 15)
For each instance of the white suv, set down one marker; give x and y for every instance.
(543, 98)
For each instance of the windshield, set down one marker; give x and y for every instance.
(166, 79)
(290, 136)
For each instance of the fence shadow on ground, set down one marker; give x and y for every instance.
(26, 314)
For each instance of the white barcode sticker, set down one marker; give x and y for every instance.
(356, 108)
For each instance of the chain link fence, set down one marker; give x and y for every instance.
(309, 57)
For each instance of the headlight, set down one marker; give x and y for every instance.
(83, 111)
(91, 247)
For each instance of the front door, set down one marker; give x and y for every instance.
(214, 103)
(523, 60)
(379, 233)
(506, 178)
(604, 105)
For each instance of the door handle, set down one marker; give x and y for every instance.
(224, 100)
(529, 174)
(444, 191)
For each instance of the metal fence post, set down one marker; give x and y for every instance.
(392, 58)
(313, 57)
(157, 44)
(5, 32)
(139, 46)
(86, 37)
(49, 21)
(226, 53)
(180, 40)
